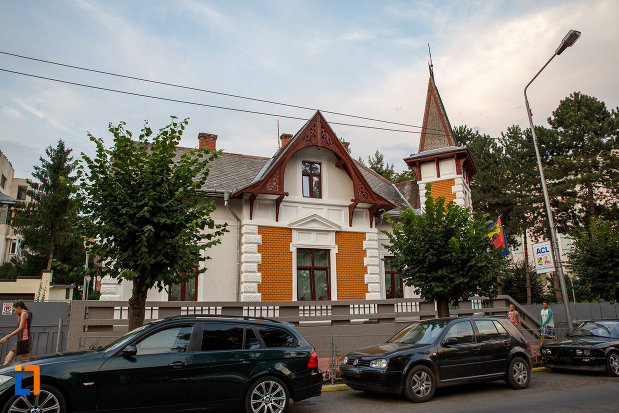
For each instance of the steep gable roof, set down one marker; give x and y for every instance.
(436, 132)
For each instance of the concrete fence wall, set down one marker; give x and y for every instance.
(347, 325)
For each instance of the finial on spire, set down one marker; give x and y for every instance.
(430, 65)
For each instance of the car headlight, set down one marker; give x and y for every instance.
(378, 364)
(543, 351)
(587, 352)
(579, 352)
(345, 360)
(4, 379)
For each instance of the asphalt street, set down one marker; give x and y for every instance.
(548, 392)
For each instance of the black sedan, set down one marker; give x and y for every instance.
(439, 352)
(594, 345)
(177, 364)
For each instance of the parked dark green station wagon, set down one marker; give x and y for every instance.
(178, 364)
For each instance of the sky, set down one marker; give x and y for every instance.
(367, 58)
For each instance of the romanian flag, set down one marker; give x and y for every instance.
(496, 229)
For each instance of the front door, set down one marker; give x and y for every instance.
(154, 379)
(220, 369)
(461, 359)
(495, 346)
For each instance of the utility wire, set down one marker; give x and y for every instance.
(197, 103)
(210, 91)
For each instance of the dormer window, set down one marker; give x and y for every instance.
(311, 180)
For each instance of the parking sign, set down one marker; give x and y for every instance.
(7, 308)
(542, 253)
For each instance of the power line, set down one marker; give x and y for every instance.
(211, 91)
(197, 103)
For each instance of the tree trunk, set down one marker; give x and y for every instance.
(557, 287)
(527, 269)
(137, 305)
(442, 305)
(50, 258)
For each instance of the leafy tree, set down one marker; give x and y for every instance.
(514, 283)
(46, 223)
(143, 206)
(595, 258)
(582, 171)
(445, 253)
(377, 164)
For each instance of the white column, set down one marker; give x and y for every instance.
(372, 264)
(250, 258)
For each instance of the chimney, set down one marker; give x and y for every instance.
(285, 138)
(207, 141)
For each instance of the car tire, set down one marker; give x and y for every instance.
(50, 400)
(612, 363)
(518, 373)
(420, 384)
(267, 395)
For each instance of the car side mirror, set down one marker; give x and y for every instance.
(130, 350)
(451, 341)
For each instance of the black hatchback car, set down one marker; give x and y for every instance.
(433, 353)
(594, 345)
(178, 364)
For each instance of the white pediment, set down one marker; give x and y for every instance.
(314, 222)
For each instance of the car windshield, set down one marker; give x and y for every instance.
(420, 333)
(123, 339)
(598, 329)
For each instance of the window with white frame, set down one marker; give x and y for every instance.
(14, 247)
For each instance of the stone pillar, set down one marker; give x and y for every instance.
(110, 289)
(250, 258)
(372, 264)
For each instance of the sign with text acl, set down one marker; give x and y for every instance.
(542, 253)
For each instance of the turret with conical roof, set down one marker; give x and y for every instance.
(440, 162)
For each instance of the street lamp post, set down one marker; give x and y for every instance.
(567, 41)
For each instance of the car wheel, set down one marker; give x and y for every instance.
(612, 364)
(49, 400)
(267, 395)
(518, 373)
(420, 384)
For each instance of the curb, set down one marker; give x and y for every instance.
(335, 387)
(343, 387)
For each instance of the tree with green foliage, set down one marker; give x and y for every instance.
(516, 284)
(595, 258)
(144, 209)
(45, 224)
(445, 253)
(377, 164)
(582, 171)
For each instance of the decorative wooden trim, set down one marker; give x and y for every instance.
(351, 210)
(372, 212)
(318, 133)
(252, 198)
(438, 170)
(278, 202)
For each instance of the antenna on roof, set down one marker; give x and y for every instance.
(430, 65)
(278, 143)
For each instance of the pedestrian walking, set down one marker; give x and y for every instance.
(514, 317)
(23, 333)
(547, 323)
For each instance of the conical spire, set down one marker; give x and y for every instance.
(437, 132)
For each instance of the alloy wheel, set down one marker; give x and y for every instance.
(421, 383)
(520, 373)
(44, 402)
(268, 397)
(613, 361)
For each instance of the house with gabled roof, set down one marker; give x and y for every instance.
(305, 224)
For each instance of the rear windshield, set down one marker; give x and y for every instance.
(420, 333)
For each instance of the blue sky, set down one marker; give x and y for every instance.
(362, 57)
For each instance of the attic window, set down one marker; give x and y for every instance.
(311, 180)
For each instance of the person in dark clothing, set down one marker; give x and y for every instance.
(23, 333)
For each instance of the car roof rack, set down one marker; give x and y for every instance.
(230, 316)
